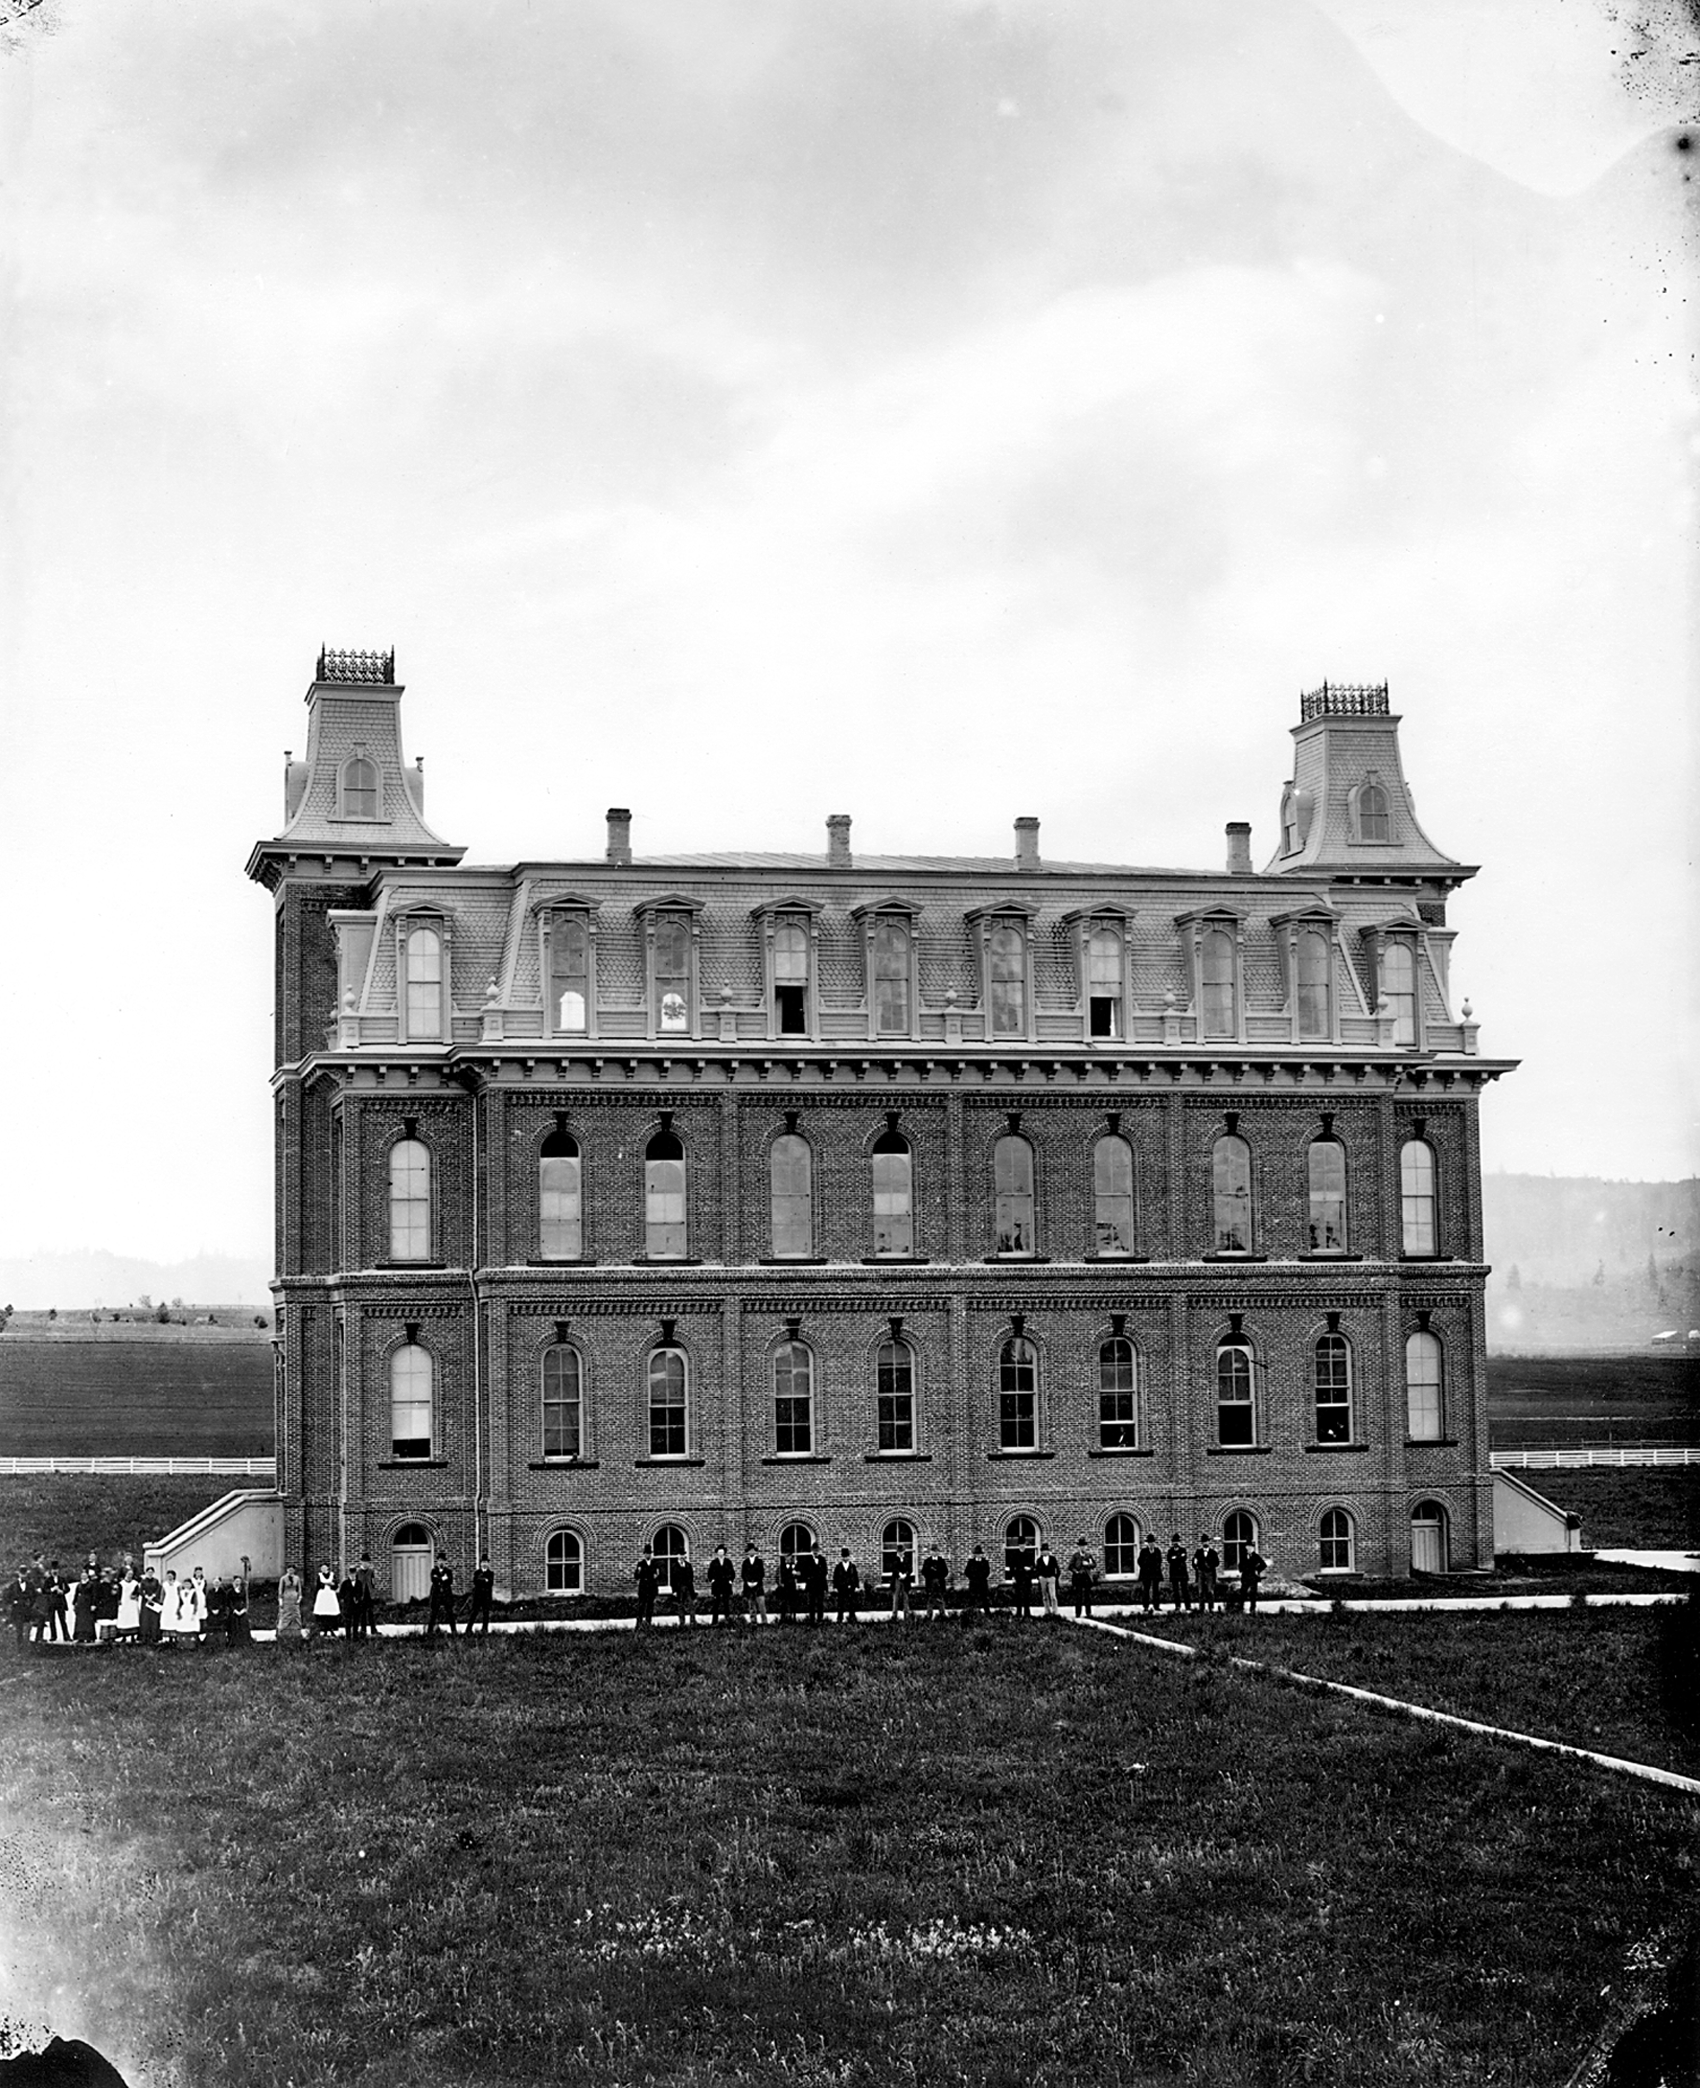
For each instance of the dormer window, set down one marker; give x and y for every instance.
(1314, 964)
(791, 976)
(1399, 989)
(1373, 822)
(672, 976)
(1006, 977)
(1104, 983)
(1219, 1014)
(358, 789)
(569, 975)
(891, 976)
(423, 982)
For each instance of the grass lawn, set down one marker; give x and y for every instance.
(1537, 1402)
(1009, 1856)
(69, 1514)
(1655, 1507)
(1626, 1682)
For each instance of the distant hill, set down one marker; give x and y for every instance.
(1580, 1263)
(80, 1278)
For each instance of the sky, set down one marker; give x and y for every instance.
(744, 411)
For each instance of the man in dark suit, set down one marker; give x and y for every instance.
(442, 1599)
(721, 1576)
(1021, 1562)
(685, 1590)
(935, 1576)
(752, 1576)
(814, 1584)
(846, 1579)
(365, 1598)
(647, 1578)
(483, 1594)
(978, 1574)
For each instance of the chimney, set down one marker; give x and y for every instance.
(838, 841)
(1027, 843)
(619, 837)
(1239, 847)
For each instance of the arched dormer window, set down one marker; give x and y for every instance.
(1006, 977)
(1373, 821)
(791, 1190)
(1417, 1232)
(1112, 1195)
(1399, 988)
(1219, 1008)
(794, 1400)
(563, 1401)
(1313, 960)
(892, 1168)
(422, 964)
(791, 976)
(410, 1201)
(1325, 1164)
(1332, 1383)
(671, 958)
(1012, 1181)
(891, 959)
(1230, 1195)
(664, 1197)
(411, 1402)
(359, 788)
(1104, 1017)
(569, 975)
(1236, 1402)
(560, 1198)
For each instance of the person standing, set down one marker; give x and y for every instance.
(442, 1598)
(1082, 1572)
(846, 1580)
(978, 1575)
(900, 1576)
(289, 1608)
(814, 1584)
(365, 1598)
(236, 1626)
(84, 1599)
(935, 1577)
(1021, 1559)
(645, 1576)
(753, 1577)
(484, 1594)
(182, 1612)
(1205, 1560)
(1253, 1566)
(20, 1607)
(1179, 1593)
(128, 1623)
(1150, 1575)
(1047, 1571)
(153, 1601)
(721, 1575)
(785, 1586)
(685, 1589)
(327, 1611)
(57, 1592)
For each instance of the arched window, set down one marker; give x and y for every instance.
(359, 788)
(1372, 813)
(1236, 1405)
(1020, 1538)
(793, 1400)
(891, 976)
(1018, 1395)
(664, 1198)
(560, 1199)
(1239, 1536)
(796, 1540)
(410, 1201)
(791, 978)
(894, 1200)
(1429, 1547)
(563, 1401)
(1416, 1197)
(412, 1555)
(1326, 1165)
(1230, 1195)
(669, 1547)
(1216, 975)
(1335, 1542)
(1104, 983)
(897, 1547)
(669, 1403)
(1315, 966)
(1118, 1395)
(1333, 1383)
(1290, 822)
(1112, 1196)
(424, 954)
(672, 975)
(789, 1178)
(1121, 1548)
(1012, 1181)
(1399, 990)
(895, 1394)
(1425, 1388)
(410, 1401)
(1006, 959)
(563, 1563)
(569, 975)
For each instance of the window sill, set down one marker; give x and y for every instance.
(895, 1261)
(1333, 1449)
(1431, 1442)
(564, 1464)
(1017, 1456)
(1329, 1254)
(413, 1464)
(562, 1261)
(1239, 1450)
(666, 1261)
(1116, 1260)
(791, 1261)
(797, 1457)
(897, 1457)
(410, 1265)
(1129, 1450)
(1233, 1254)
(1018, 1261)
(1427, 1257)
(669, 1461)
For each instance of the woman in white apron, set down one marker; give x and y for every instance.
(182, 1625)
(327, 1611)
(128, 1622)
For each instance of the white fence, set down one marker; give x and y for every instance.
(1564, 1460)
(146, 1467)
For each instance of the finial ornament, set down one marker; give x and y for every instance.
(1468, 1011)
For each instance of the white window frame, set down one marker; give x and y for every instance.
(407, 925)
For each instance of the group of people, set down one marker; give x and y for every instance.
(1196, 1583)
(97, 1604)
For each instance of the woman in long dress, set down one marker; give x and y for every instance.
(182, 1619)
(289, 1608)
(236, 1630)
(83, 1598)
(327, 1611)
(128, 1622)
(152, 1602)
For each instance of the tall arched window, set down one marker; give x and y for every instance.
(410, 1401)
(1425, 1387)
(424, 959)
(897, 1547)
(1012, 1181)
(563, 1401)
(669, 1548)
(1236, 1404)
(1121, 1548)
(1326, 1165)
(894, 1200)
(1416, 1197)
(1333, 1387)
(790, 1184)
(672, 984)
(569, 975)
(410, 1201)
(891, 976)
(1118, 1395)
(1335, 1542)
(791, 978)
(1230, 1195)
(1372, 813)
(664, 1198)
(1104, 983)
(359, 788)
(796, 1540)
(563, 1563)
(1020, 1538)
(1315, 965)
(1399, 989)
(1018, 1395)
(894, 1370)
(1112, 1196)
(1216, 975)
(1239, 1536)
(1006, 958)
(794, 1400)
(560, 1199)
(1429, 1547)
(669, 1403)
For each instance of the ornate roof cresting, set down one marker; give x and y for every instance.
(1344, 700)
(357, 669)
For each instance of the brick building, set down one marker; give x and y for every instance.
(689, 1200)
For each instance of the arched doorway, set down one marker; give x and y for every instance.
(412, 1555)
(1428, 1538)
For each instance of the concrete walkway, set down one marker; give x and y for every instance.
(1663, 1561)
